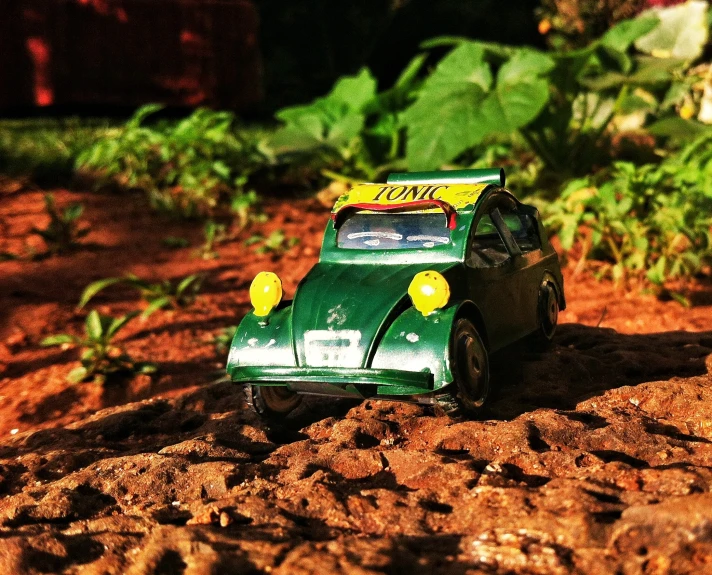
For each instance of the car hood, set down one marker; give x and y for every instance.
(341, 310)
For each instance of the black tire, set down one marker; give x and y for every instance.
(273, 402)
(467, 394)
(547, 314)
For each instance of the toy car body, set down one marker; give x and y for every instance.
(353, 330)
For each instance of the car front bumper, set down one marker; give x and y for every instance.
(337, 381)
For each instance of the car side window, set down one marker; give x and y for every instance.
(488, 248)
(527, 233)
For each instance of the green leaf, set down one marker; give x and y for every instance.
(254, 240)
(94, 288)
(446, 119)
(141, 114)
(520, 93)
(346, 129)
(73, 212)
(93, 325)
(155, 305)
(567, 234)
(145, 367)
(457, 109)
(186, 282)
(410, 73)
(118, 323)
(59, 339)
(623, 34)
(355, 91)
(682, 32)
(681, 299)
(499, 50)
(77, 374)
(221, 169)
(656, 274)
(678, 128)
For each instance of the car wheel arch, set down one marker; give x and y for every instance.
(548, 277)
(469, 310)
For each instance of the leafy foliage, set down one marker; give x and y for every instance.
(563, 103)
(214, 233)
(45, 149)
(224, 338)
(353, 129)
(462, 103)
(64, 230)
(187, 168)
(165, 294)
(651, 220)
(100, 357)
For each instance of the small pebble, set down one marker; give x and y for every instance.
(225, 519)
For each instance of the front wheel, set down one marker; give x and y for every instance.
(272, 402)
(469, 361)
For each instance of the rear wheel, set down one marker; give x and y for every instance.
(271, 401)
(547, 313)
(468, 392)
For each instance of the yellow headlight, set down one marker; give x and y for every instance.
(265, 293)
(429, 291)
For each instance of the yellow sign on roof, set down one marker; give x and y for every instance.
(458, 196)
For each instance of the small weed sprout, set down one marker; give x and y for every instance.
(277, 243)
(224, 338)
(165, 294)
(100, 357)
(214, 234)
(244, 208)
(64, 231)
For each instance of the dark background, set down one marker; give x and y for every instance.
(252, 56)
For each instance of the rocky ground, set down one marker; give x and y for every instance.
(595, 457)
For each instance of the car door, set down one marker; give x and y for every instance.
(501, 272)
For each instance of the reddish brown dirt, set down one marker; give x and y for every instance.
(595, 457)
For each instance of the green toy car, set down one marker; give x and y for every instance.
(419, 280)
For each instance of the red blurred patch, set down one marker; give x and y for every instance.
(41, 57)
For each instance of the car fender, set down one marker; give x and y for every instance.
(419, 343)
(263, 341)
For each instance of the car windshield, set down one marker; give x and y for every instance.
(393, 231)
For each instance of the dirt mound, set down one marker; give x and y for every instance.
(589, 462)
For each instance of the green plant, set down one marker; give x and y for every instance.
(63, 231)
(652, 221)
(565, 104)
(100, 357)
(276, 243)
(44, 150)
(214, 234)
(188, 168)
(353, 130)
(244, 208)
(159, 295)
(224, 338)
